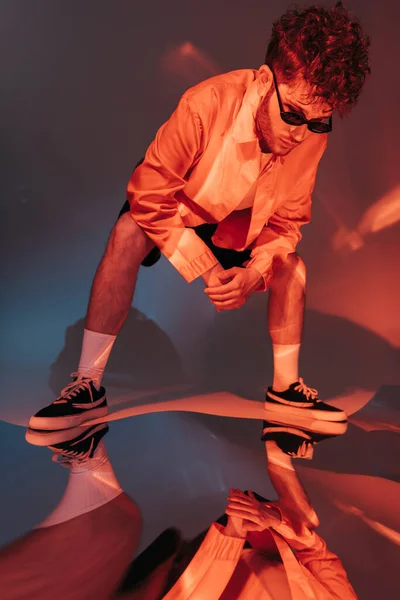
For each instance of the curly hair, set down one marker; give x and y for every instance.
(327, 48)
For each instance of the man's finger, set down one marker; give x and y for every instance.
(230, 305)
(243, 510)
(239, 493)
(228, 274)
(223, 289)
(242, 514)
(222, 297)
(240, 500)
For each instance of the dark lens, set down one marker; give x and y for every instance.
(319, 127)
(292, 118)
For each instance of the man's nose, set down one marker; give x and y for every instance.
(299, 133)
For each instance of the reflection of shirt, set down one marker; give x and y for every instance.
(205, 165)
(304, 569)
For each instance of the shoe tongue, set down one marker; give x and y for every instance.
(80, 378)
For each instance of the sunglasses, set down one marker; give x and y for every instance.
(293, 118)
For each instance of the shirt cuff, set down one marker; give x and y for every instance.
(263, 264)
(220, 546)
(191, 257)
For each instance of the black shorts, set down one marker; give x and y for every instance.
(227, 258)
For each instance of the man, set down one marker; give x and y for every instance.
(281, 559)
(222, 192)
(257, 549)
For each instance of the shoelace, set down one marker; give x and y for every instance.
(307, 391)
(67, 458)
(81, 383)
(305, 450)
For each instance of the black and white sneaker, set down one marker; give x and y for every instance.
(80, 450)
(302, 401)
(291, 440)
(78, 402)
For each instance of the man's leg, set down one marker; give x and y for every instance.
(286, 317)
(289, 395)
(109, 304)
(111, 295)
(83, 548)
(115, 279)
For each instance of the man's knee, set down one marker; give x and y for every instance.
(295, 263)
(290, 267)
(127, 234)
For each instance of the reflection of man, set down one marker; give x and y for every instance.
(265, 551)
(258, 550)
(222, 192)
(281, 562)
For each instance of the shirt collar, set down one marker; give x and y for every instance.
(244, 127)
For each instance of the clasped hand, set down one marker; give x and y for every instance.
(230, 289)
(254, 515)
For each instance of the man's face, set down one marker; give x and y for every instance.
(275, 135)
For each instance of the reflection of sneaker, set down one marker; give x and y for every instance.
(303, 401)
(80, 451)
(79, 401)
(305, 423)
(43, 437)
(292, 441)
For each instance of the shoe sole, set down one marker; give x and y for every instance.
(59, 423)
(51, 438)
(283, 407)
(306, 423)
(278, 429)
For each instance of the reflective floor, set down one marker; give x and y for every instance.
(172, 456)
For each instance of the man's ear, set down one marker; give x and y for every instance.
(264, 80)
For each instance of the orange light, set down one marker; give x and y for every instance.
(188, 63)
(383, 213)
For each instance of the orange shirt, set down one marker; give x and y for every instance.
(303, 569)
(205, 166)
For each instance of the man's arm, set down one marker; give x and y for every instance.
(154, 183)
(295, 524)
(298, 520)
(281, 234)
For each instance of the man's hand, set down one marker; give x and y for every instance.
(234, 527)
(256, 515)
(237, 285)
(210, 277)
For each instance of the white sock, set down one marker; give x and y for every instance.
(286, 365)
(89, 487)
(276, 456)
(96, 348)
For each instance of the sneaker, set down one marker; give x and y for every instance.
(48, 437)
(308, 424)
(80, 450)
(291, 440)
(301, 400)
(79, 401)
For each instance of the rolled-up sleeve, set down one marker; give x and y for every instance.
(211, 568)
(327, 568)
(313, 554)
(153, 185)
